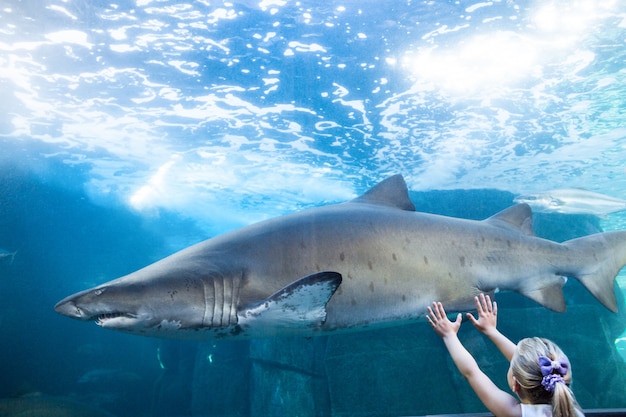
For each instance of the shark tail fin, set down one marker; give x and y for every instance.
(603, 255)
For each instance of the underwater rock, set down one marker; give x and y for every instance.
(261, 378)
(221, 378)
(288, 378)
(37, 405)
(397, 371)
(172, 388)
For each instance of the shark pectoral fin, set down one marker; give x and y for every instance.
(550, 296)
(299, 305)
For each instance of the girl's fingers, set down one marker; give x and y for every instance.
(471, 318)
(485, 300)
(435, 312)
(431, 316)
(441, 310)
(433, 309)
(484, 304)
(480, 303)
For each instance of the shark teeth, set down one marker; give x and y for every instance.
(101, 318)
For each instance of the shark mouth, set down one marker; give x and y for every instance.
(103, 318)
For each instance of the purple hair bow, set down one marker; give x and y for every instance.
(552, 371)
(553, 367)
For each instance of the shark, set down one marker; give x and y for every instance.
(366, 263)
(573, 201)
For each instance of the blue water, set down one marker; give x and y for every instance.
(131, 130)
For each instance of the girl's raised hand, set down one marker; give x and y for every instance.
(487, 313)
(437, 318)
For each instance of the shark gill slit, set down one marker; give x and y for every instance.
(218, 313)
(226, 304)
(229, 290)
(209, 302)
(237, 280)
(228, 300)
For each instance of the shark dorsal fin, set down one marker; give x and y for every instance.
(518, 217)
(391, 192)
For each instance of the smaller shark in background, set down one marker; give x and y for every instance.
(106, 376)
(572, 201)
(5, 254)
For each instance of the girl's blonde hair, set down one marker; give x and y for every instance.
(526, 369)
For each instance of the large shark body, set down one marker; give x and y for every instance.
(370, 262)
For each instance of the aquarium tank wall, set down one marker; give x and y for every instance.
(132, 130)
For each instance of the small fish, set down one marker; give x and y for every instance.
(5, 254)
(573, 201)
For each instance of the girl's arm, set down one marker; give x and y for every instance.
(499, 402)
(486, 324)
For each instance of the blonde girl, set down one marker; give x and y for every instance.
(539, 373)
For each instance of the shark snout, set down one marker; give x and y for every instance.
(68, 307)
(93, 305)
(79, 305)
